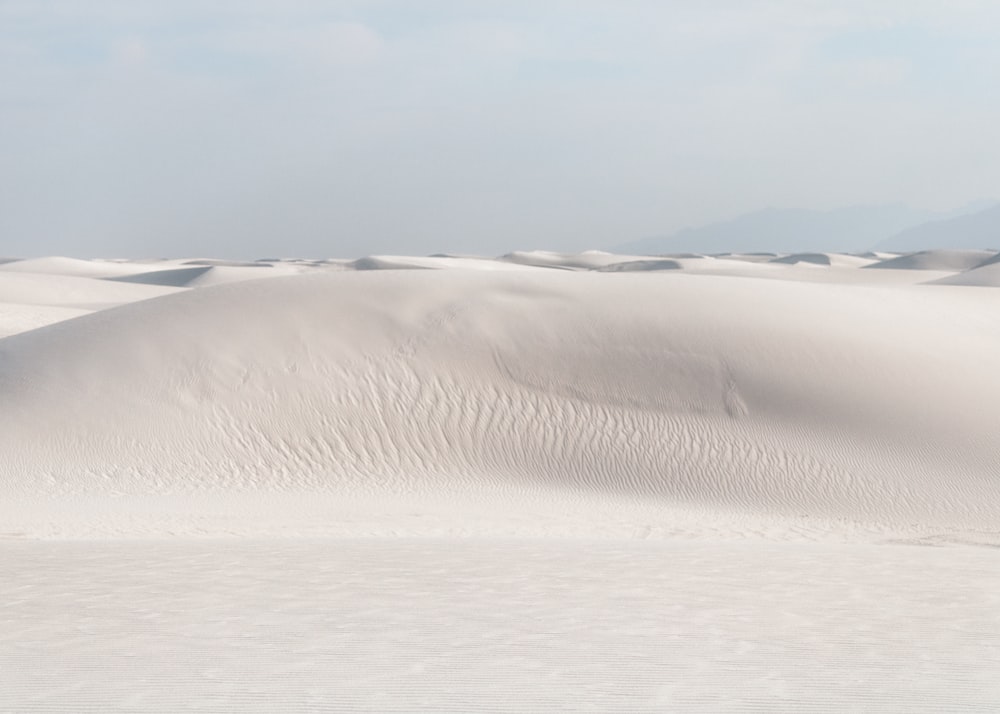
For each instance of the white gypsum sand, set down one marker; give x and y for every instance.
(452, 483)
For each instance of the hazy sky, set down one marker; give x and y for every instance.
(298, 127)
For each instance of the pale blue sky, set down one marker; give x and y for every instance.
(298, 127)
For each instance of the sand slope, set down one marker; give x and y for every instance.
(588, 260)
(936, 260)
(838, 259)
(72, 291)
(75, 267)
(436, 262)
(205, 275)
(984, 276)
(15, 317)
(31, 300)
(777, 399)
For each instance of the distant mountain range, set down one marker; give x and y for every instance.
(975, 230)
(854, 229)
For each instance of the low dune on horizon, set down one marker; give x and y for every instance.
(711, 416)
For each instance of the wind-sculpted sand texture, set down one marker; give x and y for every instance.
(772, 432)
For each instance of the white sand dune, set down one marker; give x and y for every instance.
(990, 261)
(839, 259)
(642, 265)
(936, 260)
(219, 263)
(29, 300)
(748, 257)
(205, 275)
(438, 262)
(814, 258)
(17, 317)
(769, 398)
(841, 269)
(984, 276)
(624, 484)
(758, 265)
(80, 268)
(588, 260)
(175, 277)
(71, 291)
(878, 254)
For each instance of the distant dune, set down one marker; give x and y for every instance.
(937, 260)
(983, 276)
